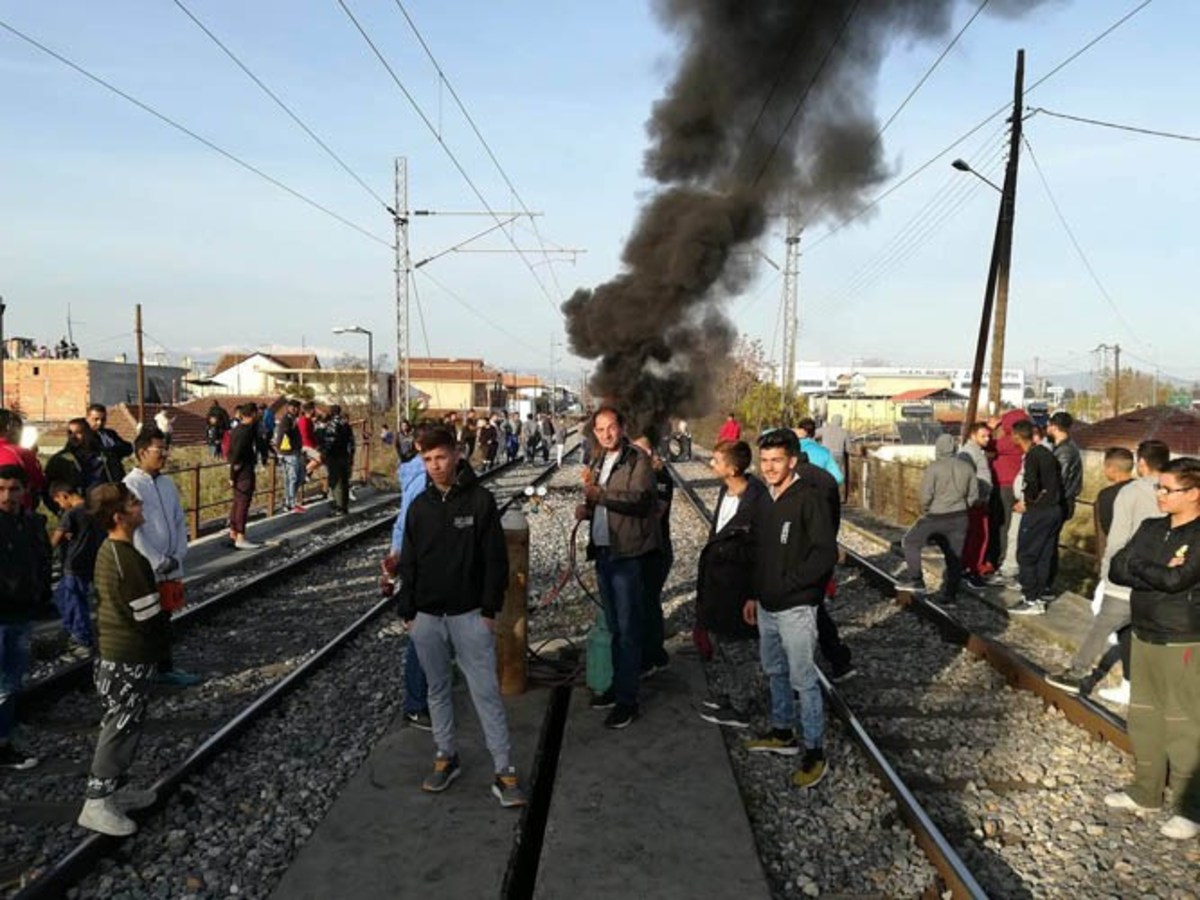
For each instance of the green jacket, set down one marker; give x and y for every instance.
(133, 626)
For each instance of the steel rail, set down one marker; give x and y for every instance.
(940, 852)
(80, 861)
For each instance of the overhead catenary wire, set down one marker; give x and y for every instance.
(279, 102)
(443, 80)
(975, 128)
(423, 116)
(1120, 127)
(162, 117)
(1075, 243)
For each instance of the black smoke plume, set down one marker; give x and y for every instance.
(771, 110)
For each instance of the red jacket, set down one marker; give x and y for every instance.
(35, 479)
(1008, 455)
(730, 431)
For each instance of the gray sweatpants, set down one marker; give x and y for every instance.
(474, 647)
(1113, 616)
(124, 690)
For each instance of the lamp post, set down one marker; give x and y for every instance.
(963, 166)
(358, 329)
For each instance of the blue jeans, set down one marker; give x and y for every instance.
(293, 478)
(656, 567)
(71, 597)
(14, 662)
(621, 589)
(416, 688)
(786, 642)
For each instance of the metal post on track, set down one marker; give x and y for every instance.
(195, 517)
(512, 639)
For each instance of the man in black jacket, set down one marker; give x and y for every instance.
(113, 447)
(796, 551)
(453, 573)
(1041, 508)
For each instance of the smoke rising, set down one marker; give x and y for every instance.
(761, 117)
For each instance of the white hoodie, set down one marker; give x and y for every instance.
(165, 530)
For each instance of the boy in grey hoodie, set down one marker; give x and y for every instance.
(948, 489)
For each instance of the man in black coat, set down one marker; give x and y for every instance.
(113, 447)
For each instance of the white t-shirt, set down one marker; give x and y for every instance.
(600, 514)
(727, 510)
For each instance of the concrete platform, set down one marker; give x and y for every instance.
(385, 838)
(652, 811)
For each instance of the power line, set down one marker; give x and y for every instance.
(445, 147)
(1133, 128)
(803, 97)
(1075, 242)
(486, 146)
(278, 102)
(1054, 71)
(178, 127)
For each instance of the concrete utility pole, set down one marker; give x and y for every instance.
(791, 305)
(1001, 240)
(141, 368)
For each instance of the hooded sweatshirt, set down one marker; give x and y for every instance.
(1008, 454)
(971, 452)
(949, 484)
(796, 549)
(164, 532)
(833, 437)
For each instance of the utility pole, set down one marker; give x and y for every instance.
(1002, 238)
(1116, 379)
(791, 307)
(3, 353)
(1008, 210)
(400, 220)
(141, 368)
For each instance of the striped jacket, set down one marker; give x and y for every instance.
(133, 627)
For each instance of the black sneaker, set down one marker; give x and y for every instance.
(419, 720)
(16, 760)
(1069, 680)
(843, 674)
(725, 715)
(622, 716)
(607, 700)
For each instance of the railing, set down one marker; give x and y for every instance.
(191, 484)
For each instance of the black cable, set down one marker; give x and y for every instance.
(205, 141)
(278, 102)
(1119, 127)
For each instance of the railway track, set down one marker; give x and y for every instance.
(256, 643)
(985, 760)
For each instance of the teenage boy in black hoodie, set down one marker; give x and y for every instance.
(796, 554)
(453, 573)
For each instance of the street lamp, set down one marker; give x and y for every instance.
(963, 166)
(358, 329)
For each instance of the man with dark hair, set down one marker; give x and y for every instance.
(243, 454)
(1070, 465)
(619, 495)
(453, 572)
(816, 454)
(1121, 508)
(24, 586)
(78, 463)
(796, 551)
(948, 489)
(113, 447)
(1041, 507)
(338, 440)
(290, 451)
(12, 453)
(975, 548)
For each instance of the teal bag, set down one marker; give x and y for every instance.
(599, 655)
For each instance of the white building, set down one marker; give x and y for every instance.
(818, 378)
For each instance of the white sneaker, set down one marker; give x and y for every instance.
(244, 544)
(1180, 829)
(1121, 800)
(127, 799)
(102, 815)
(1116, 694)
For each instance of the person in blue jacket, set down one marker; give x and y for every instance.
(413, 481)
(817, 454)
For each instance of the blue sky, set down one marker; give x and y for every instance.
(105, 207)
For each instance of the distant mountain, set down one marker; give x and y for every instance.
(1086, 381)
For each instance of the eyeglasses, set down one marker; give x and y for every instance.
(1163, 489)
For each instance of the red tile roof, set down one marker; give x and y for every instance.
(937, 393)
(1178, 428)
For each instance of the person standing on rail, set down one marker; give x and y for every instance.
(1161, 564)
(620, 497)
(453, 572)
(1041, 508)
(724, 582)
(413, 481)
(24, 586)
(948, 489)
(163, 536)
(1133, 503)
(133, 638)
(243, 454)
(795, 554)
(656, 565)
(290, 451)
